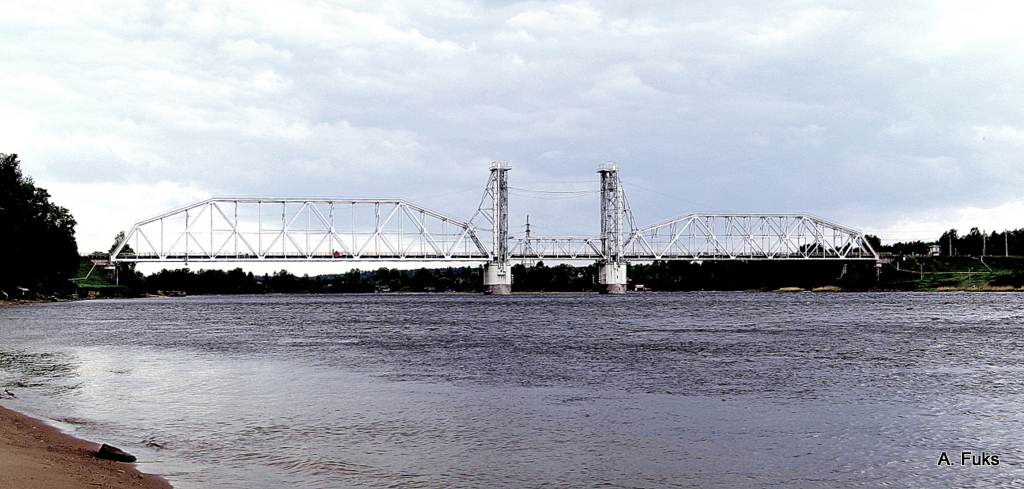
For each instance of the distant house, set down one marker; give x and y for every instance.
(934, 250)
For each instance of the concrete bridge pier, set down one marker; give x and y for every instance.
(612, 276)
(497, 278)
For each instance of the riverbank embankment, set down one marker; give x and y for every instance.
(35, 455)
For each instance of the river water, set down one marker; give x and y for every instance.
(644, 390)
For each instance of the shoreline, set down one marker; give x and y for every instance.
(826, 289)
(35, 455)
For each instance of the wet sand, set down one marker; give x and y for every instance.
(34, 455)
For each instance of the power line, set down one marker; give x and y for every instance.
(555, 191)
(552, 194)
(453, 192)
(696, 204)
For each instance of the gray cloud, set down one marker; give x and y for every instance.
(864, 112)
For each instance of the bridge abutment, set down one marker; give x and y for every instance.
(612, 277)
(497, 278)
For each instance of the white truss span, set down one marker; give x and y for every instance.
(556, 248)
(747, 237)
(274, 229)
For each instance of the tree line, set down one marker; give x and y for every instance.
(662, 275)
(38, 245)
(977, 243)
(237, 281)
(535, 278)
(951, 243)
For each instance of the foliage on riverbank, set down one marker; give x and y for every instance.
(911, 273)
(754, 275)
(38, 246)
(661, 276)
(955, 273)
(237, 281)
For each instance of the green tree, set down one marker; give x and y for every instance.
(911, 248)
(126, 274)
(117, 240)
(876, 243)
(973, 243)
(39, 247)
(949, 242)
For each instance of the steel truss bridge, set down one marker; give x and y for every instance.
(702, 237)
(228, 229)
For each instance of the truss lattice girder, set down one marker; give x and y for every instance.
(556, 248)
(275, 229)
(747, 237)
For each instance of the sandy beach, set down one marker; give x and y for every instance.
(34, 455)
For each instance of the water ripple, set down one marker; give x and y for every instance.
(536, 390)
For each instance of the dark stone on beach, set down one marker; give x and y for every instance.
(113, 453)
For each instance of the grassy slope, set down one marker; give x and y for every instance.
(958, 272)
(98, 282)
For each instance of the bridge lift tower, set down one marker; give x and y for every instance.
(611, 270)
(498, 270)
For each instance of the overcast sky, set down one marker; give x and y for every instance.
(902, 119)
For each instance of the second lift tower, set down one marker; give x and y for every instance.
(611, 270)
(498, 271)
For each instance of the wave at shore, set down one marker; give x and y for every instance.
(35, 455)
